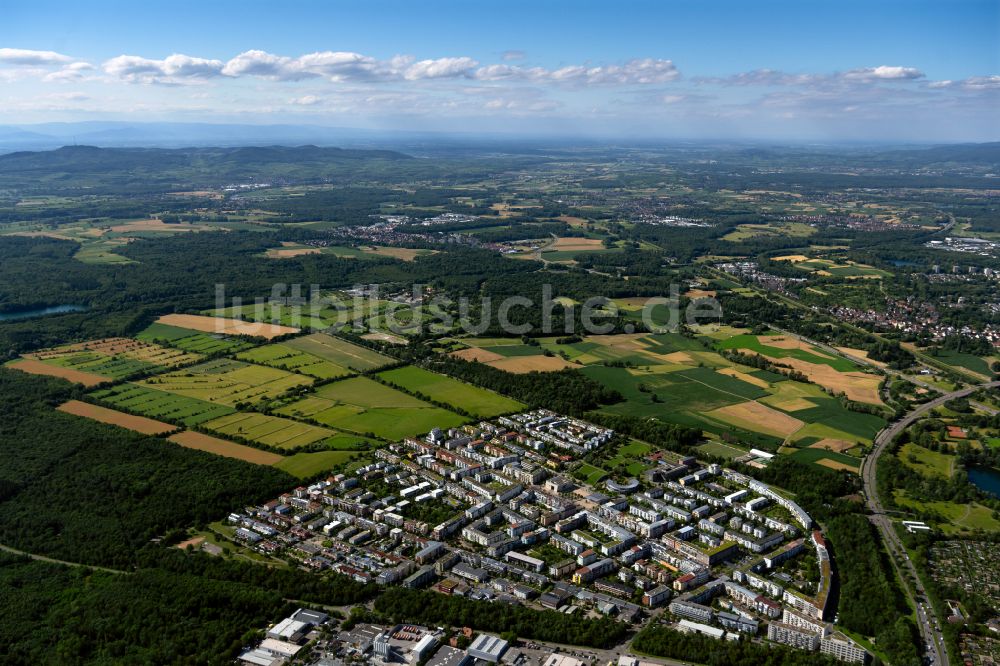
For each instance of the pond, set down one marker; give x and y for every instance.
(40, 312)
(986, 479)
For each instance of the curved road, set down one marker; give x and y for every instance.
(926, 621)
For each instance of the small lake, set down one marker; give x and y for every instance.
(986, 479)
(40, 312)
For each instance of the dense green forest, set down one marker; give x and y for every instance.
(53, 614)
(87, 492)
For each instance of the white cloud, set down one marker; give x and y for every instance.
(31, 58)
(883, 73)
(71, 72)
(305, 100)
(973, 83)
(513, 54)
(439, 68)
(634, 72)
(173, 69)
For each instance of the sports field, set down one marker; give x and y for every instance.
(440, 388)
(161, 404)
(285, 357)
(137, 423)
(340, 352)
(363, 405)
(228, 382)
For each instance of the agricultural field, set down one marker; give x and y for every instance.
(110, 416)
(223, 326)
(161, 404)
(305, 465)
(440, 388)
(340, 352)
(289, 250)
(221, 447)
(228, 382)
(271, 431)
(50, 370)
(363, 405)
(109, 359)
(192, 341)
(835, 373)
(828, 267)
(773, 230)
(285, 357)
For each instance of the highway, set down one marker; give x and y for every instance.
(927, 622)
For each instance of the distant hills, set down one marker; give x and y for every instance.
(104, 170)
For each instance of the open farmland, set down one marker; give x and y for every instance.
(228, 382)
(285, 357)
(225, 326)
(192, 341)
(837, 374)
(94, 355)
(137, 423)
(363, 405)
(340, 352)
(50, 370)
(273, 431)
(307, 464)
(161, 404)
(221, 447)
(440, 388)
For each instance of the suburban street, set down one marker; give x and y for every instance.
(927, 622)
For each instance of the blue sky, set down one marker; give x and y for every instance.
(806, 70)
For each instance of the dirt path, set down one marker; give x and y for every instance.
(50, 560)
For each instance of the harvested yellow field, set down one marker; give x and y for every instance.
(477, 354)
(572, 221)
(402, 253)
(794, 405)
(677, 357)
(742, 376)
(754, 416)
(222, 447)
(567, 243)
(834, 464)
(831, 444)
(289, 250)
(788, 342)
(104, 415)
(857, 386)
(524, 364)
(157, 225)
(794, 258)
(700, 293)
(226, 326)
(34, 367)
(625, 341)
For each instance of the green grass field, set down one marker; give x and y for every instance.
(721, 450)
(160, 404)
(228, 382)
(288, 358)
(440, 388)
(363, 405)
(967, 361)
(270, 430)
(752, 343)
(340, 352)
(927, 462)
(193, 341)
(305, 465)
(815, 455)
(115, 367)
(951, 517)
